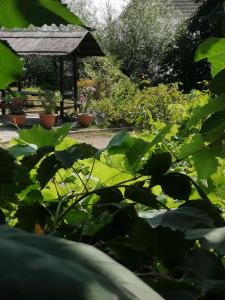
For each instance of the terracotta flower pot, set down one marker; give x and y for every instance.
(85, 119)
(17, 120)
(47, 120)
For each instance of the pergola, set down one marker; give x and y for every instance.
(63, 45)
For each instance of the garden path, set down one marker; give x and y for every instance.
(98, 139)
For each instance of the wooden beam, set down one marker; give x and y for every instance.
(61, 86)
(75, 78)
(3, 102)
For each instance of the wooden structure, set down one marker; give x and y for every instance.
(63, 45)
(187, 7)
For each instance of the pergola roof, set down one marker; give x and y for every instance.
(52, 43)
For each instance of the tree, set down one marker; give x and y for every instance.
(206, 22)
(141, 35)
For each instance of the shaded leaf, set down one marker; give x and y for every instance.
(217, 85)
(207, 272)
(212, 238)
(176, 185)
(84, 272)
(157, 164)
(46, 12)
(47, 169)
(74, 153)
(112, 195)
(142, 196)
(11, 66)
(182, 218)
(214, 127)
(31, 161)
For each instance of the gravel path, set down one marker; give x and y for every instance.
(98, 139)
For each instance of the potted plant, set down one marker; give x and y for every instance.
(85, 118)
(49, 100)
(16, 103)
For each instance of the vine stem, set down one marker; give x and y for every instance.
(121, 184)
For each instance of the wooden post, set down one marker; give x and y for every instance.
(19, 86)
(75, 78)
(61, 83)
(3, 102)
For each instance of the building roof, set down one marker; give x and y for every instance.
(52, 43)
(187, 7)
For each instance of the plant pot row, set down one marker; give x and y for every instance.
(48, 120)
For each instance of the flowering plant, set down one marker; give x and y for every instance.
(85, 97)
(16, 103)
(49, 100)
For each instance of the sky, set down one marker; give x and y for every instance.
(116, 4)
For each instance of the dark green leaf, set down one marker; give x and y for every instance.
(217, 85)
(214, 105)
(206, 206)
(29, 215)
(142, 196)
(213, 49)
(212, 238)
(74, 153)
(181, 219)
(37, 12)
(214, 127)
(207, 272)
(31, 161)
(157, 164)
(176, 185)
(47, 169)
(11, 66)
(84, 272)
(112, 195)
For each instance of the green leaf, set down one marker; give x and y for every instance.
(22, 150)
(195, 145)
(47, 169)
(176, 185)
(31, 161)
(11, 66)
(112, 195)
(205, 163)
(84, 272)
(157, 164)
(22, 13)
(41, 137)
(212, 238)
(141, 196)
(134, 148)
(214, 50)
(211, 107)
(214, 127)
(13, 177)
(166, 130)
(207, 272)
(217, 85)
(74, 153)
(182, 218)
(29, 215)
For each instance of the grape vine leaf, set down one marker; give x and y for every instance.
(83, 271)
(11, 66)
(213, 49)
